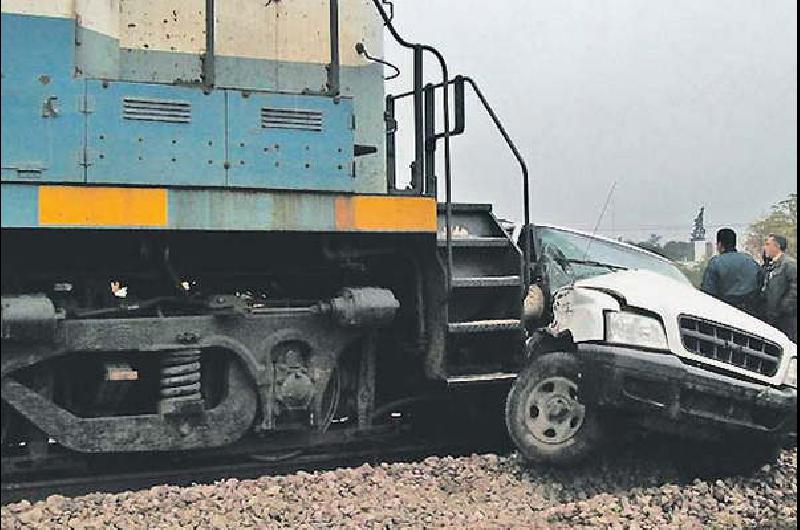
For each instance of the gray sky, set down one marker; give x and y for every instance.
(682, 103)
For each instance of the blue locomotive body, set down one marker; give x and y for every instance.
(129, 94)
(203, 237)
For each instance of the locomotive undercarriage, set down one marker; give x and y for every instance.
(218, 337)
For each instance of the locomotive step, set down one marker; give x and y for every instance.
(484, 326)
(476, 242)
(481, 378)
(488, 281)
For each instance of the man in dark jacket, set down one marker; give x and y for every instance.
(731, 276)
(780, 287)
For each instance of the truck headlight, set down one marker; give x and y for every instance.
(633, 329)
(790, 379)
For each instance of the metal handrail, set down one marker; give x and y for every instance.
(334, 67)
(526, 200)
(418, 94)
(208, 61)
(528, 238)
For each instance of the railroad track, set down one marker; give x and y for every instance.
(246, 461)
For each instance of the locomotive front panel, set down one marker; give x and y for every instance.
(202, 239)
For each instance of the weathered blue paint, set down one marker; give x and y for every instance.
(96, 55)
(287, 158)
(19, 205)
(213, 185)
(281, 76)
(134, 152)
(250, 210)
(203, 209)
(365, 85)
(125, 151)
(155, 66)
(158, 66)
(41, 127)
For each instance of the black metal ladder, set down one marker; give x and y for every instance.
(423, 168)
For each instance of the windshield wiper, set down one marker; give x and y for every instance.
(591, 263)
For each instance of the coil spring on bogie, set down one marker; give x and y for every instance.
(180, 378)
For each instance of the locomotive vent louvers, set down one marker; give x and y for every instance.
(296, 119)
(730, 346)
(163, 110)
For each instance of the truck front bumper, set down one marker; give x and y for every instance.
(661, 392)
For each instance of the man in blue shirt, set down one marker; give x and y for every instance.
(731, 276)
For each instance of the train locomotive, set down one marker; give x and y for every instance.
(206, 239)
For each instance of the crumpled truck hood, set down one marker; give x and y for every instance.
(670, 299)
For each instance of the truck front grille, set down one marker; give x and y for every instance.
(730, 346)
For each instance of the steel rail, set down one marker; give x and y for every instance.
(253, 465)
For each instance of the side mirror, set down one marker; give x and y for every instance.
(458, 85)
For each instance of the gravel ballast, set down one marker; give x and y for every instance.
(481, 491)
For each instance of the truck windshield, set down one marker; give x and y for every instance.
(588, 256)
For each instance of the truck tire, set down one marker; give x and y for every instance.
(544, 414)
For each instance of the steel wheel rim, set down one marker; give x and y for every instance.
(552, 413)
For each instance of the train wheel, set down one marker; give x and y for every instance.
(544, 415)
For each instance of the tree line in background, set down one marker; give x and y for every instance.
(782, 220)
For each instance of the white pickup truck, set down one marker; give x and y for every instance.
(624, 335)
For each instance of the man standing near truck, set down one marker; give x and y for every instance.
(731, 276)
(780, 287)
